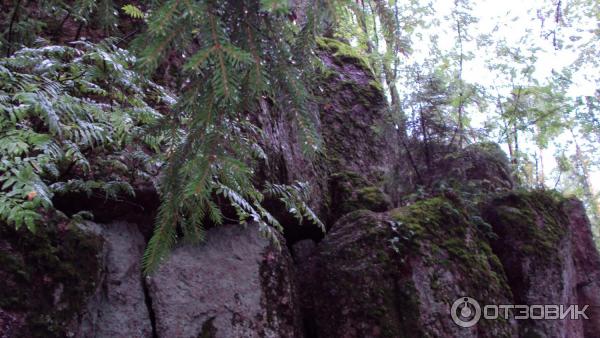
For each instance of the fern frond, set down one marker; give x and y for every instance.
(54, 122)
(133, 11)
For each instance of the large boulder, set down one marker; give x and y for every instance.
(352, 117)
(73, 281)
(478, 169)
(118, 308)
(236, 284)
(483, 165)
(355, 120)
(397, 274)
(545, 245)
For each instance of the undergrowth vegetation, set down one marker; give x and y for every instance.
(74, 118)
(81, 118)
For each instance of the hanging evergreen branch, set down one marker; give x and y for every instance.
(240, 53)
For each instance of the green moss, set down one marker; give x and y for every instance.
(534, 218)
(372, 198)
(426, 217)
(351, 192)
(344, 52)
(376, 86)
(47, 275)
(439, 232)
(442, 229)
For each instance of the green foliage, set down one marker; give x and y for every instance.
(133, 11)
(72, 120)
(294, 198)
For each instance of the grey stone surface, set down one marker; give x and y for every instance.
(236, 284)
(118, 309)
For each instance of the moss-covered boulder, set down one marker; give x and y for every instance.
(355, 120)
(482, 165)
(478, 169)
(545, 245)
(352, 116)
(397, 274)
(46, 278)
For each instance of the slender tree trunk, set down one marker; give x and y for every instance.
(425, 140)
(516, 144)
(506, 128)
(589, 196)
(583, 170)
(515, 127)
(542, 176)
(461, 131)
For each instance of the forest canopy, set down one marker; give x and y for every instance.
(98, 96)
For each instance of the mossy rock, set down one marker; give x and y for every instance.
(534, 219)
(446, 225)
(357, 293)
(368, 91)
(477, 170)
(353, 112)
(47, 276)
(344, 53)
(351, 192)
(398, 273)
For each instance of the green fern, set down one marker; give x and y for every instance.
(61, 109)
(294, 198)
(78, 118)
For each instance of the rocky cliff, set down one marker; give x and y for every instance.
(386, 267)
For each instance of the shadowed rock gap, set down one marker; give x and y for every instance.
(148, 302)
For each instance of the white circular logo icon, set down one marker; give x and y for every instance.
(465, 312)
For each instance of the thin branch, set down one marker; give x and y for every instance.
(13, 18)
